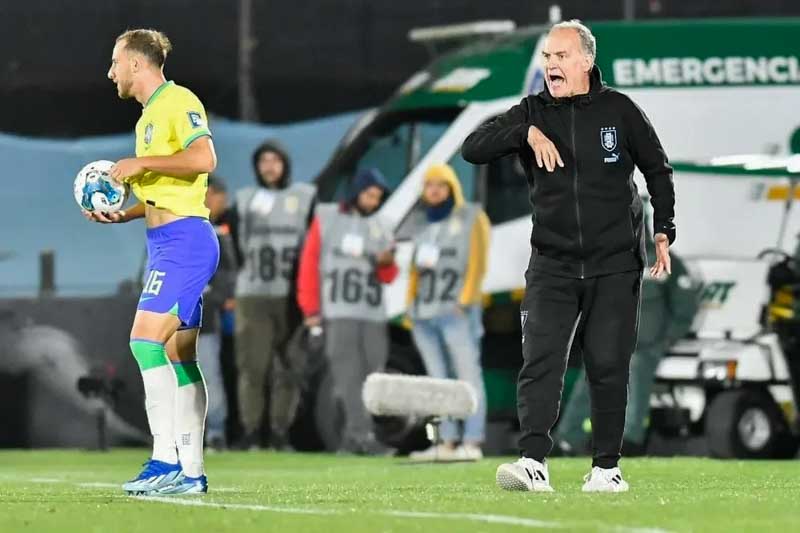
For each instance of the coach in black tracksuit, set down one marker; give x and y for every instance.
(587, 245)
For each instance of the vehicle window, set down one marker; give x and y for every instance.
(393, 143)
(468, 176)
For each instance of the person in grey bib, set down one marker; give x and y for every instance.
(269, 221)
(348, 256)
(444, 303)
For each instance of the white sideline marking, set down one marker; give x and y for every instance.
(497, 519)
(470, 517)
(226, 489)
(489, 518)
(625, 529)
(243, 506)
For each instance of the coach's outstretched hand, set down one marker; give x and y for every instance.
(104, 218)
(543, 148)
(662, 263)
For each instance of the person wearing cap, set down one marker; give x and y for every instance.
(444, 302)
(268, 222)
(347, 257)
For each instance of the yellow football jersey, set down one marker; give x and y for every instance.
(171, 120)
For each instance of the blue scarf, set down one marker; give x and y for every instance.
(441, 211)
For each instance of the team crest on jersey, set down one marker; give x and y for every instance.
(608, 138)
(195, 119)
(148, 133)
(291, 204)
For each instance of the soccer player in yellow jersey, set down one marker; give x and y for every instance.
(174, 154)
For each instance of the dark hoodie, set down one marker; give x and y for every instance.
(308, 278)
(231, 216)
(364, 179)
(272, 145)
(587, 215)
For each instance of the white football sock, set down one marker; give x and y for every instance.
(191, 404)
(160, 387)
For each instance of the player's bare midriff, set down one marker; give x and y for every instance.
(155, 216)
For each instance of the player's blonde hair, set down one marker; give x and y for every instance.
(152, 44)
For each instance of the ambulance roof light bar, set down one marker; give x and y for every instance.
(450, 34)
(433, 34)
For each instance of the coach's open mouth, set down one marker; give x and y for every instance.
(556, 80)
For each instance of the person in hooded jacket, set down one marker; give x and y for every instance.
(347, 257)
(268, 222)
(444, 303)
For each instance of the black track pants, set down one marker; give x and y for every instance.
(608, 307)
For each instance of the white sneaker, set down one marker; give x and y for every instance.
(468, 452)
(524, 474)
(437, 452)
(605, 480)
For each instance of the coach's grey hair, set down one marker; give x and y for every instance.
(588, 42)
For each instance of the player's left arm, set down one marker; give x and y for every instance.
(197, 158)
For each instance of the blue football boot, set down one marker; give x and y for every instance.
(154, 475)
(185, 485)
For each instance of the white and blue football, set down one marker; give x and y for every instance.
(96, 191)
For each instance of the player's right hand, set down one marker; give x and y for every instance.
(104, 218)
(543, 148)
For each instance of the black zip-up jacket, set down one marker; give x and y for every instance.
(587, 216)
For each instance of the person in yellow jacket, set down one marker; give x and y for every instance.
(444, 302)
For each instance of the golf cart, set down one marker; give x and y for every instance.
(732, 382)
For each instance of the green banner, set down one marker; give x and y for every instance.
(699, 53)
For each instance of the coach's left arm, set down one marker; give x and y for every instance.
(651, 160)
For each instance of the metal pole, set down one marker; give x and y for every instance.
(554, 14)
(102, 428)
(248, 106)
(629, 9)
(47, 273)
(793, 184)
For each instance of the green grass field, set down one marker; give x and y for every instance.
(68, 491)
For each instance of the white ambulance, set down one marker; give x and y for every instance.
(710, 87)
